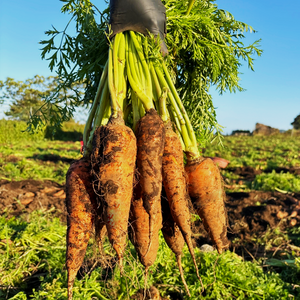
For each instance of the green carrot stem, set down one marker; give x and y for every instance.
(132, 60)
(177, 127)
(121, 87)
(142, 78)
(100, 112)
(141, 108)
(165, 117)
(183, 132)
(190, 6)
(174, 118)
(140, 71)
(135, 110)
(186, 139)
(133, 80)
(189, 127)
(116, 43)
(155, 86)
(127, 110)
(115, 108)
(163, 105)
(146, 48)
(104, 102)
(148, 85)
(164, 83)
(106, 115)
(88, 125)
(140, 74)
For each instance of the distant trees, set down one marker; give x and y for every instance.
(296, 123)
(26, 98)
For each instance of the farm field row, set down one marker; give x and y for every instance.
(255, 163)
(263, 204)
(260, 163)
(40, 160)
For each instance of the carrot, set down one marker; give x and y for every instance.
(100, 230)
(113, 164)
(150, 146)
(205, 187)
(174, 182)
(173, 237)
(139, 228)
(80, 202)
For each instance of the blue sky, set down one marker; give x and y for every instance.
(272, 95)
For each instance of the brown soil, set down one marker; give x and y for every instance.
(22, 197)
(249, 214)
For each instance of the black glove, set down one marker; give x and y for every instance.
(141, 16)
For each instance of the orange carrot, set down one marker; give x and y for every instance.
(205, 187)
(80, 202)
(100, 230)
(150, 146)
(173, 237)
(113, 163)
(139, 224)
(174, 182)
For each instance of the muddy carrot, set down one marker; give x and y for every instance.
(174, 182)
(205, 184)
(205, 188)
(100, 229)
(113, 164)
(150, 145)
(139, 228)
(149, 130)
(80, 202)
(173, 237)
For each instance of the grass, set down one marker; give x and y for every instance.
(15, 131)
(33, 248)
(50, 160)
(258, 152)
(40, 160)
(274, 181)
(266, 155)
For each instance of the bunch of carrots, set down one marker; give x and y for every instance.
(132, 177)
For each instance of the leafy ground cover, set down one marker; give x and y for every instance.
(44, 159)
(32, 264)
(263, 261)
(260, 163)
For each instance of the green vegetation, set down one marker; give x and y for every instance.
(274, 181)
(32, 247)
(260, 152)
(26, 98)
(213, 58)
(35, 245)
(15, 132)
(271, 159)
(40, 160)
(296, 123)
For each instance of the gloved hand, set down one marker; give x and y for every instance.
(140, 16)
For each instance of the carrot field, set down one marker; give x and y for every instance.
(262, 183)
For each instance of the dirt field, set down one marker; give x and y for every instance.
(250, 214)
